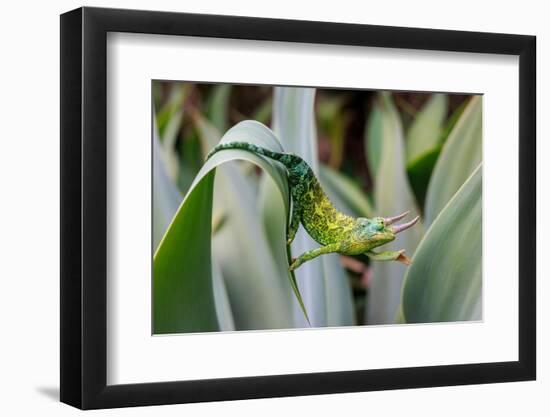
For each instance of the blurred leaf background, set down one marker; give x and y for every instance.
(219, 229)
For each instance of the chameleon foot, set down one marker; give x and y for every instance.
(404, 259)
(398, 256)
(295, 263)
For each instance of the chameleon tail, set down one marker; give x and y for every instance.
(286, 159)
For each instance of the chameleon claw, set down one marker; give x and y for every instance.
(404, 258)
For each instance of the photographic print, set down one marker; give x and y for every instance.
(280, 207)
(322, 191)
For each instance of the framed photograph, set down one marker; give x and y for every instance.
(258, 208)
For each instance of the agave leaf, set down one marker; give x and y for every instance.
(183, 298)
(166, 200)
(275, 226)
(344, 193)
(209, 135)
(258, 289)
(460, 155)
(444, 281)
(173, 104)
(332, 122)
(424, 143)
(340, 310)
(393, 195)
(374, 137)
(450, 124)
(190, 160)
(419, 172)
(218, 106)
(243, 233)
(221, 300)
(183, 292)
(294, 123)
(425, 131)
(166, 197)
(169, 120)
(263, 113)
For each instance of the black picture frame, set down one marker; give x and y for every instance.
(84, 207)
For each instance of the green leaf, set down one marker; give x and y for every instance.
(322, 282)
(263, 113)
(243, 233)
(218, 106)
(221, 300)
(275, 226)
(183, 298)
(190, 160)
(340, 309)
(345, 194)
(460, 155)
(424, 143)
(444, 281)
(169, 120)
(393, 195)
(257, 282)
(183, 292)
(172, 105)
(294, 122)
(166, 197)
(424, 133)
(374, 137)
(449, 126)
(332, 123)
(420, 171)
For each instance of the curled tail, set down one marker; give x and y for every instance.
(288, 160)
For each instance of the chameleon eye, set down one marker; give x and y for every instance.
(379, 224)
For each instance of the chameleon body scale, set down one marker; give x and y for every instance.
(332, 229)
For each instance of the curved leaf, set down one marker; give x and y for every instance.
(320, 284)
(236, 204)
(218, 106)
(420, 171)
(166, 197)
(460, 155)
(444, 281)
(169, 119)
(183, 296)
(425, 131)
(393, 195)
(340, 309)
(374, 136)
(221, 300)
(183, 299)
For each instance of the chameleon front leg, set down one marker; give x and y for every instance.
(389, 256)
(314, 253)
(294, 225)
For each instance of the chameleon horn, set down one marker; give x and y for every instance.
(392, 220)
(400, 227)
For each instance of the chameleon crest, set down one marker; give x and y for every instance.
(333, 230)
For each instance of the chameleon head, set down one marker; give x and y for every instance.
(381, 230)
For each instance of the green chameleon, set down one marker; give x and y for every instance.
(332, 229)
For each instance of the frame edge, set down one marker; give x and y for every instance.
(70, 216)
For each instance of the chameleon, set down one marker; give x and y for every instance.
(335, 231)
